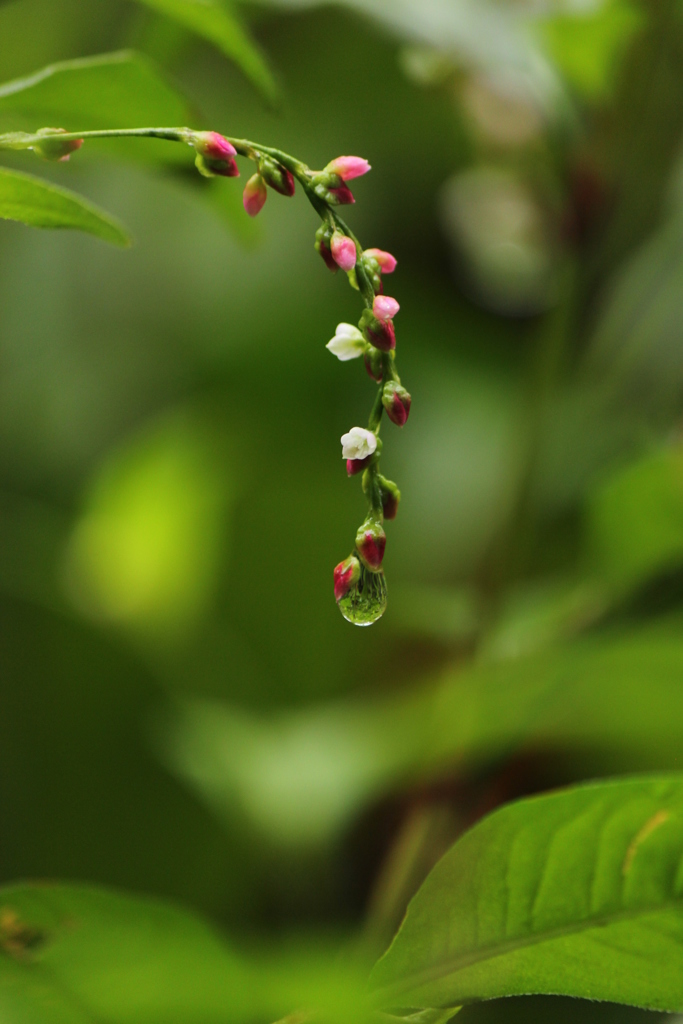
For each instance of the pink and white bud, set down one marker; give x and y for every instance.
(379, 333)
(370, 543)
(214, 155)
(397, 401)
(348, 167)
(255, 195)
(342, 196)
(343, 251)
(213, 145)
(384, 307)
(348, 343)
(356, 466)
(358, 443)
(345, 575)
(387, 262)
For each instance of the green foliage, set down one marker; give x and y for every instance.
(114, 90)
(635, 520)
(588, 46)
(182, 711)
(43, 205)
(215, 21)
(578, 893)
(80, 955)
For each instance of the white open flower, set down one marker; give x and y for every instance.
(358, 443)
(348, 343)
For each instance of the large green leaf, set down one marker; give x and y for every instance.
(80, 955)
(215, 22)
(114, 90)
(577, 893)
(73, 954)
(43, 205)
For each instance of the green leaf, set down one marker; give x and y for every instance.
(215, 22)
(577, 893)
(635, 520)
(43, 205)
(588, 46)
(81, 955)
(114, 90)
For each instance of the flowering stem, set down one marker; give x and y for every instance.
(325, 190)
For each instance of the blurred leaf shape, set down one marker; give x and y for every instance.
(635, 520)
(498, 229)
(99, 955)
(41, 204)
(113, 90)
(216, 22)
(587, 45)
(635, 352)
(149, 545)
(578, 893)
(487, 35)
(74, 954)
(613, 698)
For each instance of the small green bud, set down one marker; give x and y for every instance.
(51, 147)
(277, 176)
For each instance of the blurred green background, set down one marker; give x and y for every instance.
(183, 710)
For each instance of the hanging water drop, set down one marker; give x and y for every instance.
(366, 600)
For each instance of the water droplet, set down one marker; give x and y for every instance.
(366, 601)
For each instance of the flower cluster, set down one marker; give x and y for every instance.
(359, 585)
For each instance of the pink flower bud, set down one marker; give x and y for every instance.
(213, 145)
(51, 147)
(255, 195)
(397, 401)
(342, 196)
(370, 543)
(343, 251)
(354, 466)
(348, 167)
(379, 333)
(384, 307)
(345, 575)
(387, 262)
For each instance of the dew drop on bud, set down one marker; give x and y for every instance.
(366, 600)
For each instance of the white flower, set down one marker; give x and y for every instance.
(348, 343)
(358, 443)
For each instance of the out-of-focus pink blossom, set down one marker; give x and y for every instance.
(387, 262)
(343, 251)
(384, 307)
(213, 145)
(255, 195)
(348, 167)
